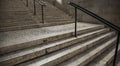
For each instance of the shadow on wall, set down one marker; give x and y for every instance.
(108, 9)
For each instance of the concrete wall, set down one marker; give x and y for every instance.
(108, 9)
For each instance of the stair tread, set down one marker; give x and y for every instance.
(21, 36)
(58, 54)
(43, 47)
(81, 60)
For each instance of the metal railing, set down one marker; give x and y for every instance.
(27, 3)
(104, 21)
(42, 3)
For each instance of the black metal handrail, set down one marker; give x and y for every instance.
(104, 21)
(95, 16)
(27, 3)
(42, 3)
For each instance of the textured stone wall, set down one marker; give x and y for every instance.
(108, 9)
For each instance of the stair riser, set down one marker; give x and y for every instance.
(65, 57)
(41, 41)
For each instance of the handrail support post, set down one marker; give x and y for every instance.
(75, 22)
(116, 49)
(34, 7)
(42, 9)
(27, 3)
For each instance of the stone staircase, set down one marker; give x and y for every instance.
(51, 13)
(14, 15)
(54, 45)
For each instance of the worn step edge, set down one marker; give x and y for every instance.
(64, 54)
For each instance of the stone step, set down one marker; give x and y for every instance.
(20, 18)
(62, 55)
(14, 15)
(12, 5)
(105, 59)
(83, 59)
(52, 18)
(46, 48)
(53, 14)
(13, 9)
(38, 25)
(18, 23)
(42, 35)
(47, 17)
(56, 20)
(11, 20)
(14, 28)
